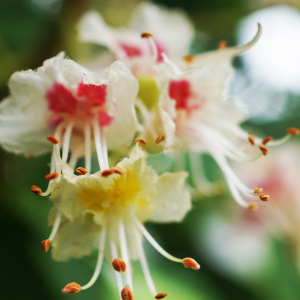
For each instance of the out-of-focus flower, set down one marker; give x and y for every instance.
(106, 210)
(66, 100)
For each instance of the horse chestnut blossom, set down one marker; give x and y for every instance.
(84, 110)
(107, 210)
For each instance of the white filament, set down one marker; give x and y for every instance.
(97, 137)
(114, 254)
(67, 139)
(56, 225)
(87, 147)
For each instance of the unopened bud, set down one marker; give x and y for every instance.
(251, 139)
(264, 150)
(293, 130)
(161, 296)
(146, 35)
(36, 190)
(258, 190)
(51, 176)
(264, 197)
(189, 58)
(222, 44)
(107, 173)
(141, 141)
(160, 139)
(190, 263)
(46, 245)
(119, 265)
(81, 171)
(252, 206)
(266, 140)
(52, 139)
(126, 293)
(118, 170)
(71, 288)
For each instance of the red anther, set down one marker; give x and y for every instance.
(46, 245)
(141, 141)
(126, 293)
(146, 35)
(190, 263)
(258, 190)
(264, 197)
(51, 176)
(189, 58)
(266, 140)
(222, 44)
(264, 150)
(160, 139)
(252, 206)
(52, 139)
(36, 190)
(118, 170)
(293, 130)
(119, 265)
(81, 171)
(106, 173)
(251, 139)
(71, 288)
(161, 296)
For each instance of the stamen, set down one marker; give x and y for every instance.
(52, 139)
(118, 170)
(222, 45)
(87, 148)
(119, 265)
(46, 245)
(51, 176)
(160, 139)
(189, 58)
(252, 206)
(190, 263)
(251, 139)
(114, 253)
(146, 35)
(107, 173)
(81, 171)
(126, 293)
(258, 190)
(56, 225)
(264, 150)
(266, 140)
(264, 197)
(66, 142)
(160, 296)
(141, 141)
(71, 288)
(293, 131)
(97, 137)
(36, 190)
(104, 148)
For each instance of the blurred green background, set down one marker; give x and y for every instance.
(34, 30)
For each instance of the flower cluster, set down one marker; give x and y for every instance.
(148, 91)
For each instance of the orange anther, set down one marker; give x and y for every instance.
(161, 296)
(160, 139)
(46, 245)
(189, 58)
(81, 171)
(293, 130)
(106, 173)
(52, 139)
(251, 139)
(252, 206)
(264, 150)
(36, 190)
(258, 190)
(51, 176)
(126, 293)
(146, 35)
(266, 140)
(71, 288)
(119, 265)
(118, 170)
(222, 44)
(190, 263)
(141, 141)
(264, 197)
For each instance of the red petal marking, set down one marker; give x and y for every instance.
(131, 50)
(96, 94)
(54, 121)
(60, 99)
(103, 118)
(180, 91)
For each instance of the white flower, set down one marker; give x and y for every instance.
(107, 210)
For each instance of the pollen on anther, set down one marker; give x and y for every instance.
(51, 176)
(119, 265)
(146, 35)
(190, 263)
(266, 140)
(46, 245)
(106, 173)
(52, 139)
(251, 139)
(264, 197)
(252, 207)
(293, 131)
(36, 190)
(71, 288)
(264, 150)
(141, 141)
(189, 58)
(160, 296)
(126, 293)
(258, 190)
(222, 45)
(118, 170)
(81, 171)
(160, 139)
